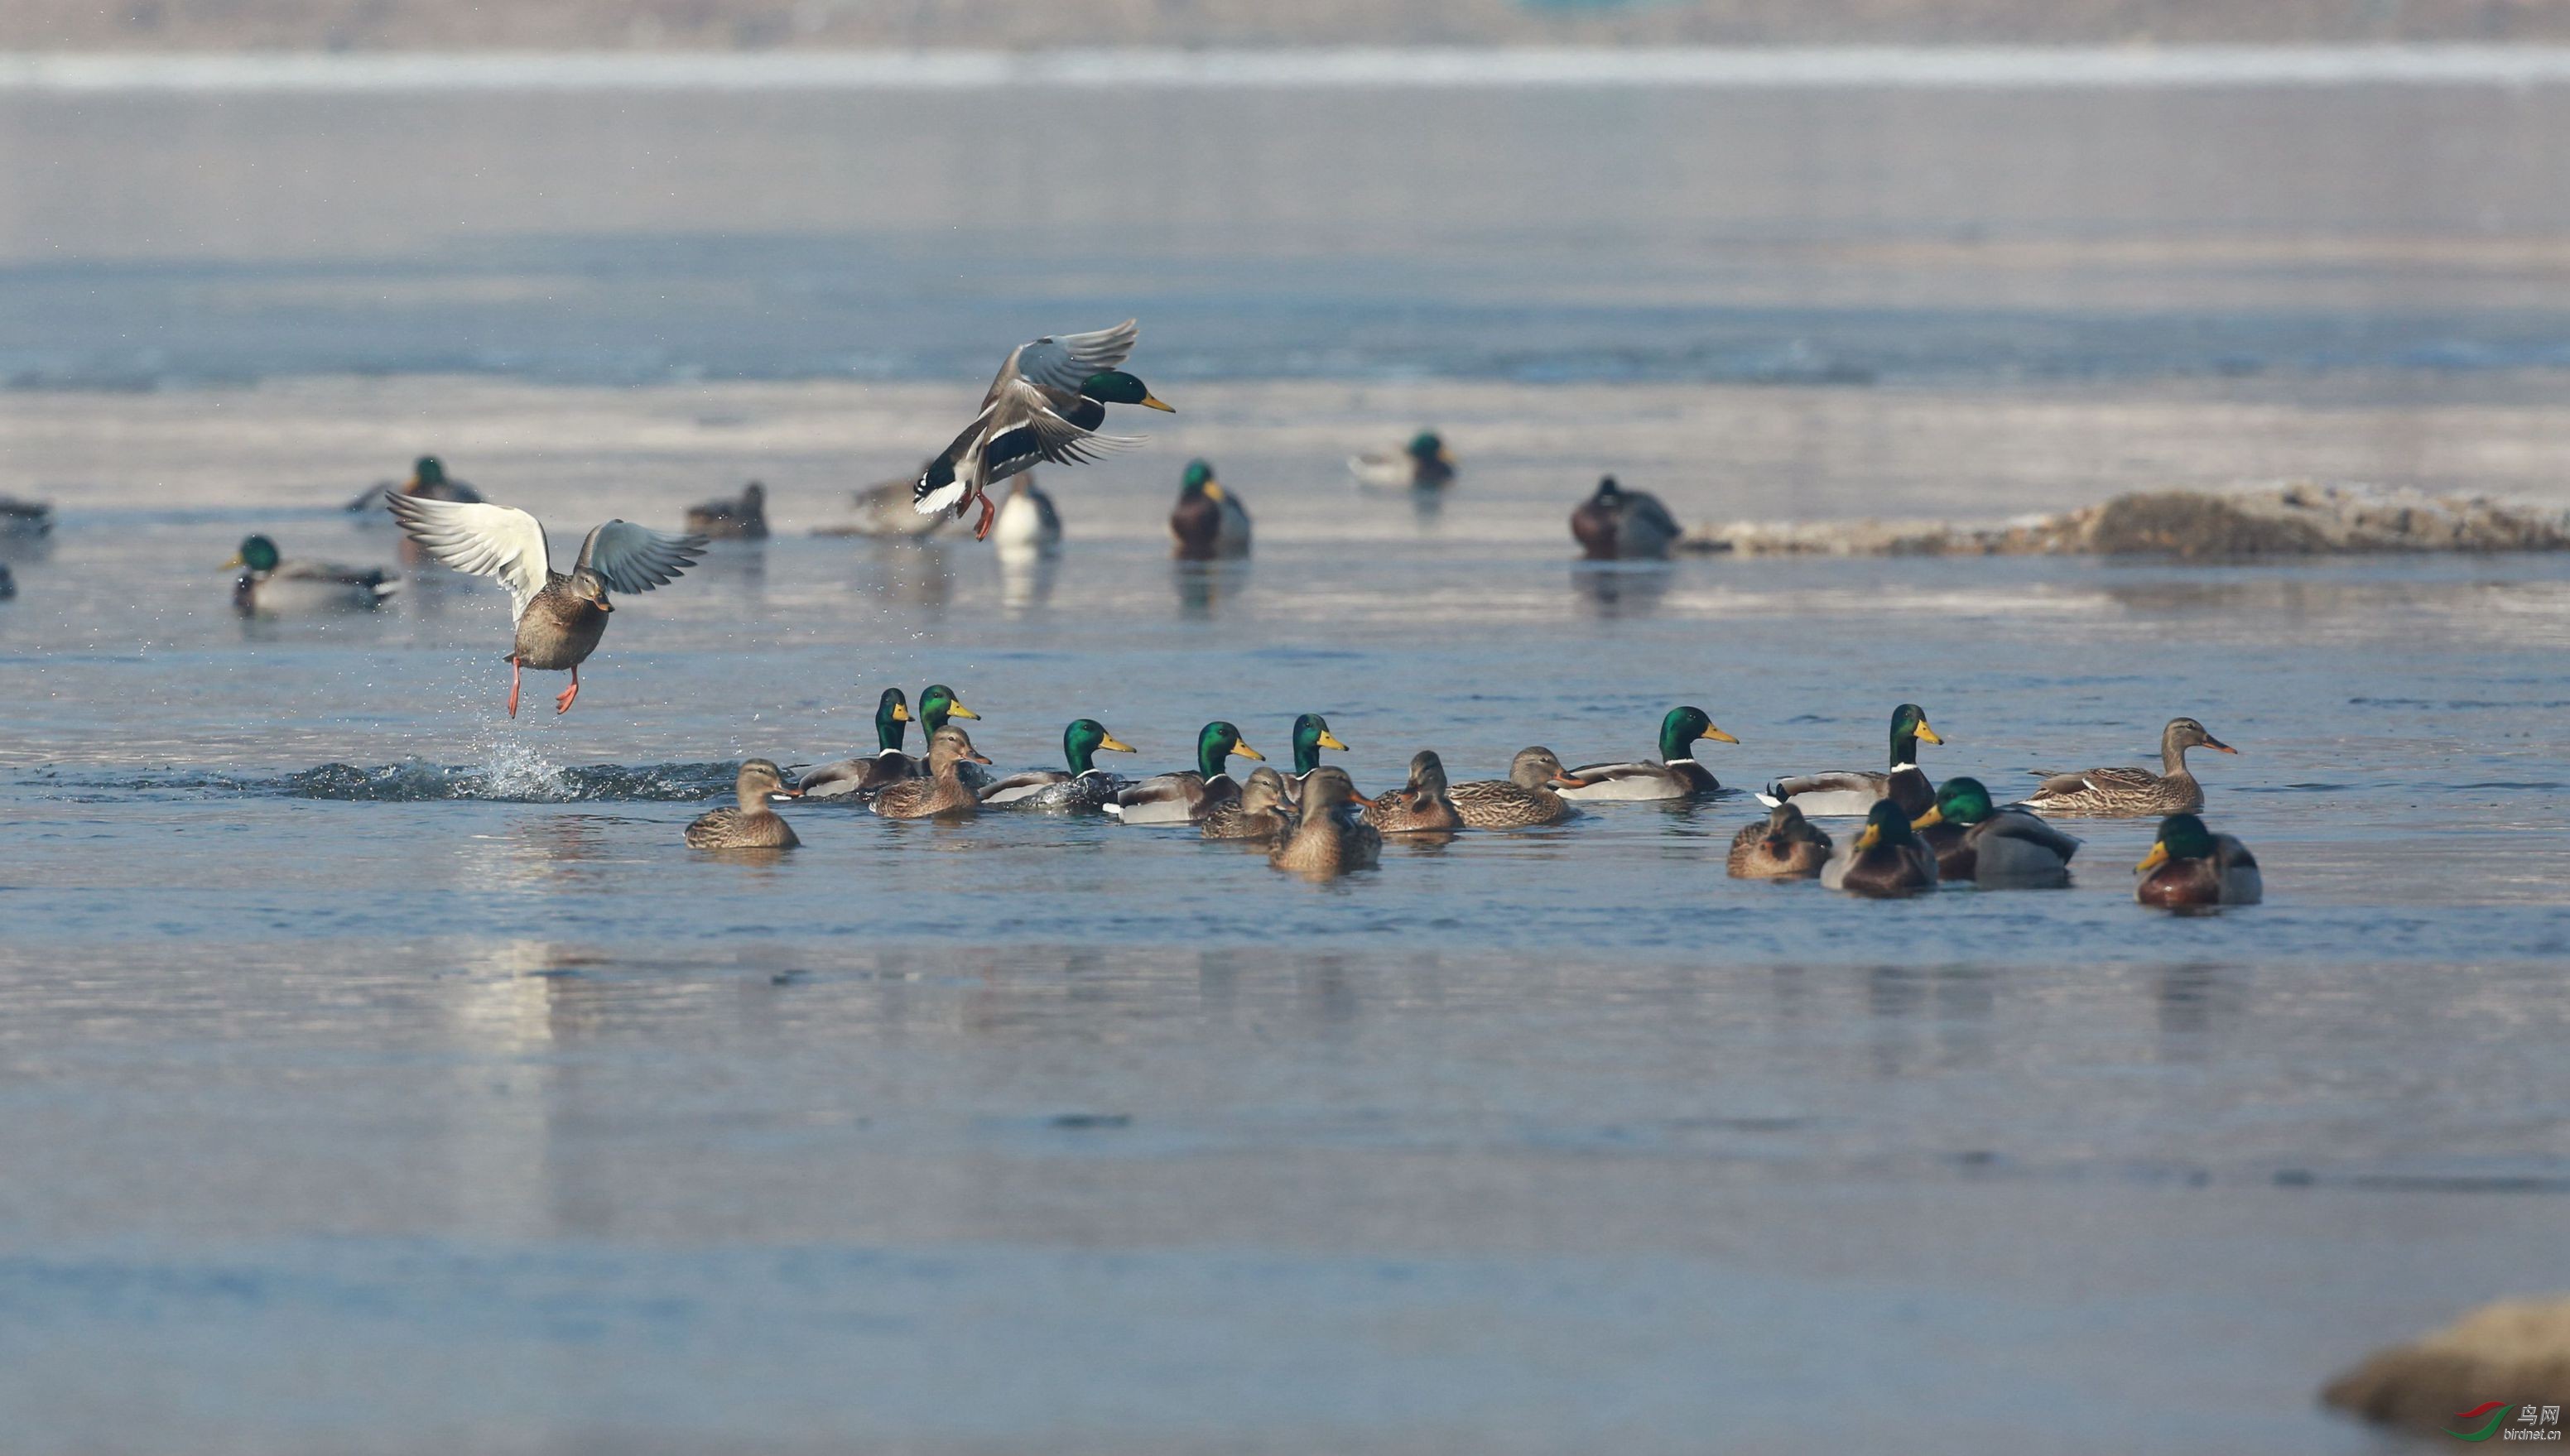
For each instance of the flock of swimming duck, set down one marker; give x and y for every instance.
(1046, 405)
(1914, 835)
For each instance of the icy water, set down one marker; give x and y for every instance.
(378, 1074)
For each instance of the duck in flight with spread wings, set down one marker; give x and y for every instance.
(1045, 406)
(559, 614)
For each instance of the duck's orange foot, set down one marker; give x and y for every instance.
(562, 699)
(514, 671)
(990, 512)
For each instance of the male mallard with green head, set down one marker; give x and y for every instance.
(270, 587)
(943, 792)
(1852, 792)
(2190, 865)
(1674, 775)
(1884, 861)
(1783, 846)
(1045, 404)
(1615, 524)
(560, 615)
(1260, 813)
(751, 824)
(1994, 848)
(1327, 837)
(1082, 786)
(1423, 464)
(1421, 806)
(428, 482)
(1208, 522)
(1187, 797)
(2130, 792)
(1525, 798)
(851, 777)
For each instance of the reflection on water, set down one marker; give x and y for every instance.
(1027, 581)
(1622, 588)
(1203, 586)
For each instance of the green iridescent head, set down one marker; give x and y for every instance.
(428, 470)
(1085, 738)
(1909, 725)
(1115, 387)
(1218, 741)
(892, 720)
(1680, 730)
(256, 553)
(1427, 446)
(1885, 823)
(1200, 475)
(2181, 836)
(1962, 802)
(938, 704)
(1311, 735)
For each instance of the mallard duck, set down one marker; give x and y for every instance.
(2190, 865)
(851, 777)
(1783, 846)
(560, 616)
(1032, 412)
(25, 519)
(1081, 786)
(1616, 524)
(1208, 522)
(1884, 861)
(1187, 797)
(1424, 463)
(884, 511)
(1852, 792)
(1418, 805)
(2130, 792)
(943, 790)
(1259, 813)
(1327, 837)
(1996, 848)
(1524, 798)
(736, 518)
(1674, 775)
(267, 586)
(1311, 735)
(751, 825)
(428, 482)
(937, 704)
(1028, 526)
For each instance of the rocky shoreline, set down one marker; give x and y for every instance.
(2298, 519)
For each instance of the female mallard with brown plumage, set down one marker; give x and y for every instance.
(943, 792)
(1259, 814)
(560, 615)
(2131, 792)
(1852, 792)
(1327, 838)
(1524, 798)
(1676, 774)
(1080, 787)
(2191, 866)
(1783, 846)
(732, 518)
(751, 824)
(1187, 797)
(1421, 806)
(1994, 848)
(1886, 860)
(854, 777)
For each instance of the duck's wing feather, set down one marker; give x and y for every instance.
(631, 557)
(1027, 425)
(1022, 786)
(2017, 824)
(1064, 361)
(481, 540)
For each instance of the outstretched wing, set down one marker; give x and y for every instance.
(1028, 430)
(481, 538)
(1064, 361)
(631, 557)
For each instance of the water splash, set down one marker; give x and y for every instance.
(512, 777)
